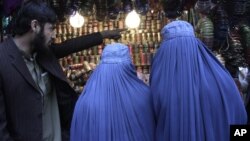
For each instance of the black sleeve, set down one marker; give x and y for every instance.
(76, 44)
(4, 133)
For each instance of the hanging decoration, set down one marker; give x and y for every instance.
(236, 7)
(154, 4)
(59, 8)
(205, 30)
(114, 7)
(87, 7)
(245, 36)
(204, 6)
(247, 12)
(205, 27)
(236, 10)
(142, 6)
(101, 9)
(221, 26)
(233, 52)
(127, 5)
(188, 4)
(71, 7)
(172, 8)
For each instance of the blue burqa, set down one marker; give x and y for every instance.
(115, 105)
(195, 98)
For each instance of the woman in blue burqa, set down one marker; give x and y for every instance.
(195, 98)
(115, 105)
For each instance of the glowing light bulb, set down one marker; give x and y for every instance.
(132, 20)
(76, 20)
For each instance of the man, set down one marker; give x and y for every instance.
(36, 102)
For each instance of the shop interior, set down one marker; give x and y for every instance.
(223, 25)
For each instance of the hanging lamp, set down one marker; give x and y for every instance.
(132, 20)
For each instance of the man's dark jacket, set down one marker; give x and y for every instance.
(20, 100)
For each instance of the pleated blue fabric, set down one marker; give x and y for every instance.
(115, 105)
(194, 96)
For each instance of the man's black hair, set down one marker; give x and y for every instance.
(32, 10)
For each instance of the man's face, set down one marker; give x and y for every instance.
(49, 33)
(45, 36)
